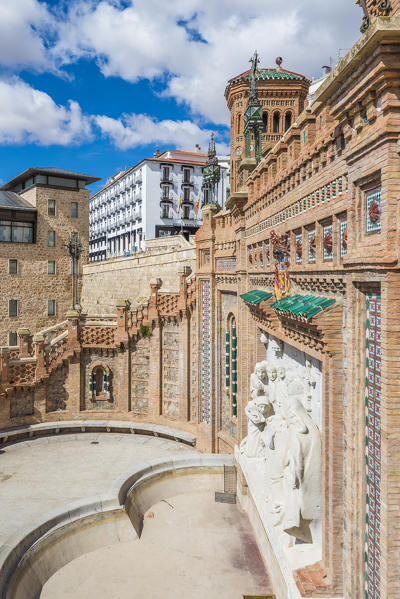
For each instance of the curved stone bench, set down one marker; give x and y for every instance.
(31, 556)
(21, 433)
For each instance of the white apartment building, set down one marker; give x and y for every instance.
(160, 196)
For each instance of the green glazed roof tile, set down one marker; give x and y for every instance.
(303, 305)
(256, 296)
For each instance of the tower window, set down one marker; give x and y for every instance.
(265, 121)
(276, 122)
(288, 120)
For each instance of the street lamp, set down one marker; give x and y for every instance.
(74, 248)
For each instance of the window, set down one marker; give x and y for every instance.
(51, 238)
(51, 308)
(165, 173)
(51, 267)
(186, 194)
(186, 175)
(231, 362)
(12, 308)
(265, 121)
(74, 209)
(165, 192)
(51, 207)
(164, 211)
(12, 339)
(13, 266)
(186, 212)
(16, 232)
(288, 120)
(276, 119)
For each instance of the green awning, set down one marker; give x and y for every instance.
(305, 306)
(256, 296)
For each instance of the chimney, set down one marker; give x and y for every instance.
(157, 154)
(326, 70)
(198, 148)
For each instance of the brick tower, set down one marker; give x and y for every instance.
(263, 103)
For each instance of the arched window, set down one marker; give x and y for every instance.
(99, 379)
(288, 120)
(275, 126)
(265, 121)
(239, 123)
(231, 362)
(99, 383)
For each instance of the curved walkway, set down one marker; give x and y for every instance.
(43, 474)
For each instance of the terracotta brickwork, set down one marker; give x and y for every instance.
(32, 286)
(329, 191)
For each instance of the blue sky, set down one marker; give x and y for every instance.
(97, 86)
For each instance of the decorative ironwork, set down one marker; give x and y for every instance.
(253, 121)
(211, 176)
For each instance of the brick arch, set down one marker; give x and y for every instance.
(106, 392)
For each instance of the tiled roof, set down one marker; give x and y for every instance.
(302, 306)
(256, 296)
(267, 75)
(9, 199)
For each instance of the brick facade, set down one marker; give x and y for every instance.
(328, 191)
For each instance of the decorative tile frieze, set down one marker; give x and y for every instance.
(373, 211)
(205, 352)
(225, 264)
(329, 191)
(373, 447)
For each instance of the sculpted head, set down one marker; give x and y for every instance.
(281, 372)
(260, 370)
(272, 373)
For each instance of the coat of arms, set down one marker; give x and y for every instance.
(281, 253)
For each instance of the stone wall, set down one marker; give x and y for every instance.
(105, 282)
(32, 286)
(140, 360)
(170, 371)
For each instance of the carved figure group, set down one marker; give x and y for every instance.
(283, 435)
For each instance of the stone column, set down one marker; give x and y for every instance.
(24, 336)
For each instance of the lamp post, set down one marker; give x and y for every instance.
(74, 248)
(211, 176)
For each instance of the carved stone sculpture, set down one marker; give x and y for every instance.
(283, 435)
(256, 411)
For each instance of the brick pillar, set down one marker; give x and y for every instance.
(122, 375)
(74, 376)
(4, 376)
(73, 330)
(24, 337)
(4, 359)
(184, 344)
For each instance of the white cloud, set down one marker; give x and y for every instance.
(28, 115)
(140, 130)
(147, 40)
(22, 25)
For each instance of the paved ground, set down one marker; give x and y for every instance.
(191, 547)
(42, 474)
